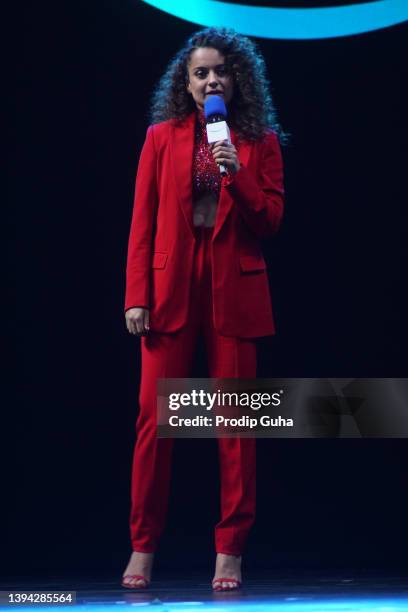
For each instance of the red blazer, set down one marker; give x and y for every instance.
(161, 242)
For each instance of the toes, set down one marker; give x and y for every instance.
(135, 582)
(224, 585)
(228, 585)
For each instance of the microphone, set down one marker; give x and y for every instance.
(215, 113)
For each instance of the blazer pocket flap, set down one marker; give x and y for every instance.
(159, 260)
(252, 263)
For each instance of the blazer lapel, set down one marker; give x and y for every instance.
(225, 202)
(181, 147)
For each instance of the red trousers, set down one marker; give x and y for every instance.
(170, 356)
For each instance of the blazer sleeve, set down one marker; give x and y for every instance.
(261, 202)
(142, 227)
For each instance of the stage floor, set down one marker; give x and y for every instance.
(261, 592)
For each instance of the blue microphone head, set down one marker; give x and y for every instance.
(214, 105)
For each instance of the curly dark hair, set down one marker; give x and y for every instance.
(251, 111)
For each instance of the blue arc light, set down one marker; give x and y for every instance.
(289, 23)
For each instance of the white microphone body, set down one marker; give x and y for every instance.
(216, 131)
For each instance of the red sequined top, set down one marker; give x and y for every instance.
(206, 174)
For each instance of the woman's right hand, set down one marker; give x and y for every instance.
(137, 321)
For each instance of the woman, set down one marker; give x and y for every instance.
(195, 265)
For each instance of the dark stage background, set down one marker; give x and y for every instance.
(84, 74)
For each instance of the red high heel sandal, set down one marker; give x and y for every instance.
(135, 586)
(217, 584)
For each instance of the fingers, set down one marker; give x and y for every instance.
(225, 154)
(221, 154)
(146, 320)
(219, 143)
(223, 145)
(137, 321)
(140, 325)
(223, 149)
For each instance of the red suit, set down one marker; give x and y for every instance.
(212, 280)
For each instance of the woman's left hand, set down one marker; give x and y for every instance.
(226, 155)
